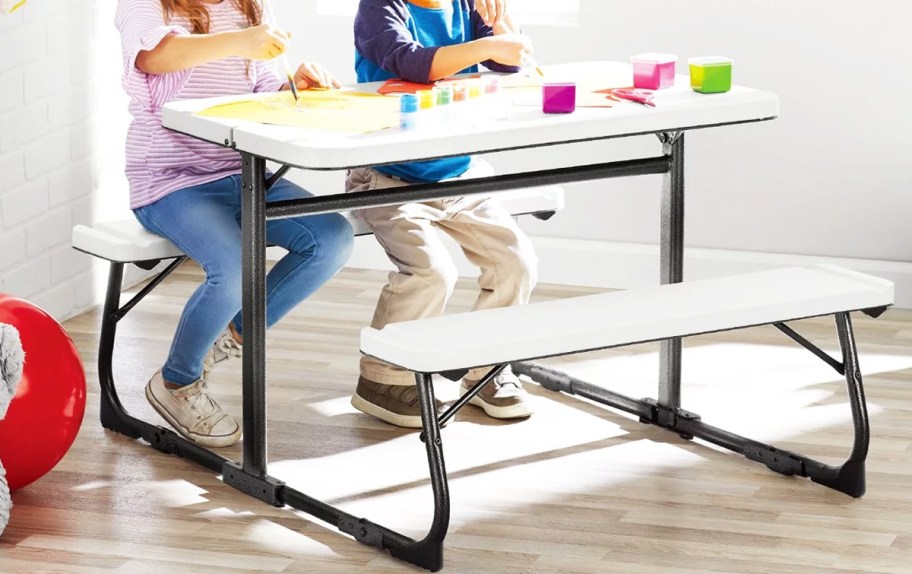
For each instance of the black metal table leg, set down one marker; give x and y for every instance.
(671, 254)
(253, 234)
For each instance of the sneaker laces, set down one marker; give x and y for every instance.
(504, 379)
(228, 345)
(208, 413)
(224, 348)
(504, 385)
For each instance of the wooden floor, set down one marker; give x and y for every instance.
(576, 488)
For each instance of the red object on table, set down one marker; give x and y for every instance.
(397, 86)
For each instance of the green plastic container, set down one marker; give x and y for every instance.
(711, 74)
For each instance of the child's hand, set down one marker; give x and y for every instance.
(508, 49)
(263, 42)
(491, 11)
(313, 75)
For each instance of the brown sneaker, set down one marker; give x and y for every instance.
(193, 413)
(395, 404)
(502, 398)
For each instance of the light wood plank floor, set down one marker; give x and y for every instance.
(576, 488)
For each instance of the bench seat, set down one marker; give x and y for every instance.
(126, 241)
(574, 325)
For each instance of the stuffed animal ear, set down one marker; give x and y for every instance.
(11, 360)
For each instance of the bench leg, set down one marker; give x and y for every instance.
(427, 552)
(113, 415)
(848, 477)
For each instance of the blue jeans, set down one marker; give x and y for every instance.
(204, 221)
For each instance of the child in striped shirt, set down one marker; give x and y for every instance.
(189, 191)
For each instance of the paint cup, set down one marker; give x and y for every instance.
(444, 109)
(408, 111)
(559, 98)
(444, 95)
(491, 85)
(653, 71)
(711, 74)
(427, 99)
(496, 103)
(475, 88)
(460, 100)
(459, 91)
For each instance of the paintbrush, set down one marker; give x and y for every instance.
(527, 59)
(530, 61)
(284, 57)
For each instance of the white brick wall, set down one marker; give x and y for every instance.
(62, 119)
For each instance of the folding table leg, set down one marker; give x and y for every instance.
(671, 254)
(253, 313)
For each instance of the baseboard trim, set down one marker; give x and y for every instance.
(627, 265)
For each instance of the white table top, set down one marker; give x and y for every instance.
(676, 108)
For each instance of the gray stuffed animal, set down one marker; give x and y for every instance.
(11, 359)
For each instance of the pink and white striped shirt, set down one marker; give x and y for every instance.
(160, 161)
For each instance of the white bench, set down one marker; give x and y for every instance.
(453, 343)
(126, 241)
(578, 324)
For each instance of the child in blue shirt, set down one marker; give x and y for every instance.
(424, 41)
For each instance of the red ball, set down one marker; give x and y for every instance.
(44, 416)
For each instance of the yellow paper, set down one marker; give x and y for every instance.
(330, 110)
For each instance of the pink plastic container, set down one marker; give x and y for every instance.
(653, 71)
(559, 98)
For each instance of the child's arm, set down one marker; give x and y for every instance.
(504, 49)
(176, 52)
(382, 36)
(488, 23)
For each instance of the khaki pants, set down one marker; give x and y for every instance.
(426, 274)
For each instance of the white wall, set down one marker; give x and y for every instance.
(62, 119)
(46, 163)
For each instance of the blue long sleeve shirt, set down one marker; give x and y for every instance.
(397, 39)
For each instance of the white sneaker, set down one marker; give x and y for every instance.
(502, 398)
(223, 349)
(193, 413)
